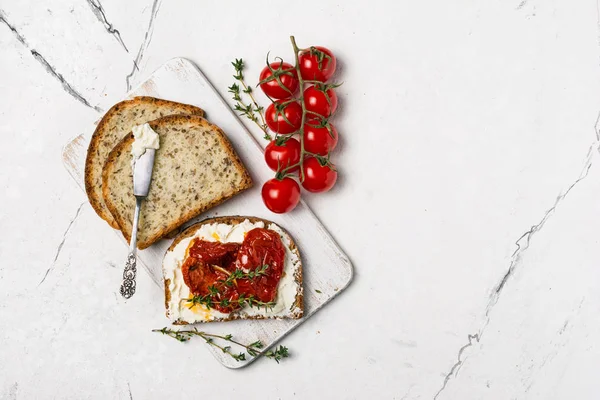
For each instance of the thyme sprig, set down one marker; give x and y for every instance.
(252, 109)
(209, 301)
(277, 354)
(253, 349)
(240, 274)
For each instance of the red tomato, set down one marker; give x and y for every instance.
(287, 75)
(281, 195)
(317, 139)
(320, 101)
(318, 177)
(281, 157)
(280, 124)
(317, 64)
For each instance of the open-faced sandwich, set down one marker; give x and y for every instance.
(232, 268)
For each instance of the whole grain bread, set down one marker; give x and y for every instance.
(234, 220)
(195, 169)
(113, 127)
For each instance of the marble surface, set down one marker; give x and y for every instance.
(468, 200)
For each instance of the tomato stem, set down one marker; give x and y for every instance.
(301, 99)
(285, 171)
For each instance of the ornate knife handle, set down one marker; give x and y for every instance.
(128, 285)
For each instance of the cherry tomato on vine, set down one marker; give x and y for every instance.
(317, 138)
(287, 75)
(281, 156)
(317, 176)
(284, 119)
(320, 100)
(281, 195)
(317, 64)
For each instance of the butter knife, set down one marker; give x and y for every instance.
(142, 175)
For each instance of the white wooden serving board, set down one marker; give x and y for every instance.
(326, 267)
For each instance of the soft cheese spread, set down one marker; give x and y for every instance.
(145, 138)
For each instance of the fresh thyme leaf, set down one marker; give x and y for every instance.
(209, 302)
(184, 335)
(318, 291)
(213, 290)
(240, 274)
(224, 302)
(246, 110)
(278, 353)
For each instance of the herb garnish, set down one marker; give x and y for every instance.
(247, 110)
(240, 274)
(253, 349)
(209, 302)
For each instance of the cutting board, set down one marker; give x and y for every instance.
(327, 270)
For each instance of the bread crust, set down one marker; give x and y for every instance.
(126, 142)
(95, 200)
(235, 220)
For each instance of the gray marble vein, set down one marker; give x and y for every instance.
(524, 241)
(47, 66)
(458, 363)
(62, 242)
(522, 4)
(19, 37)
(145, 43)
(522, 244)
(66, 85)
(99, 12)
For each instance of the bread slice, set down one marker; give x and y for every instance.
(113, 127)
(230, 229)
(195, 169)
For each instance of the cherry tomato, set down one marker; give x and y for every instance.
(318, 177)
(280, 157)
(317, 64)
(321, 101)
(281, 195)
(318, 139)
(280, 124)
(287, 75)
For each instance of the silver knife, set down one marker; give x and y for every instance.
(142, 175)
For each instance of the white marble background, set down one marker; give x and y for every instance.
(469, 200)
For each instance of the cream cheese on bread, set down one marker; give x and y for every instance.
(145, 138)
(178, 309)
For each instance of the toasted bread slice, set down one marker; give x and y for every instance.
(195, 169)
(289, 300)
(113, 127)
